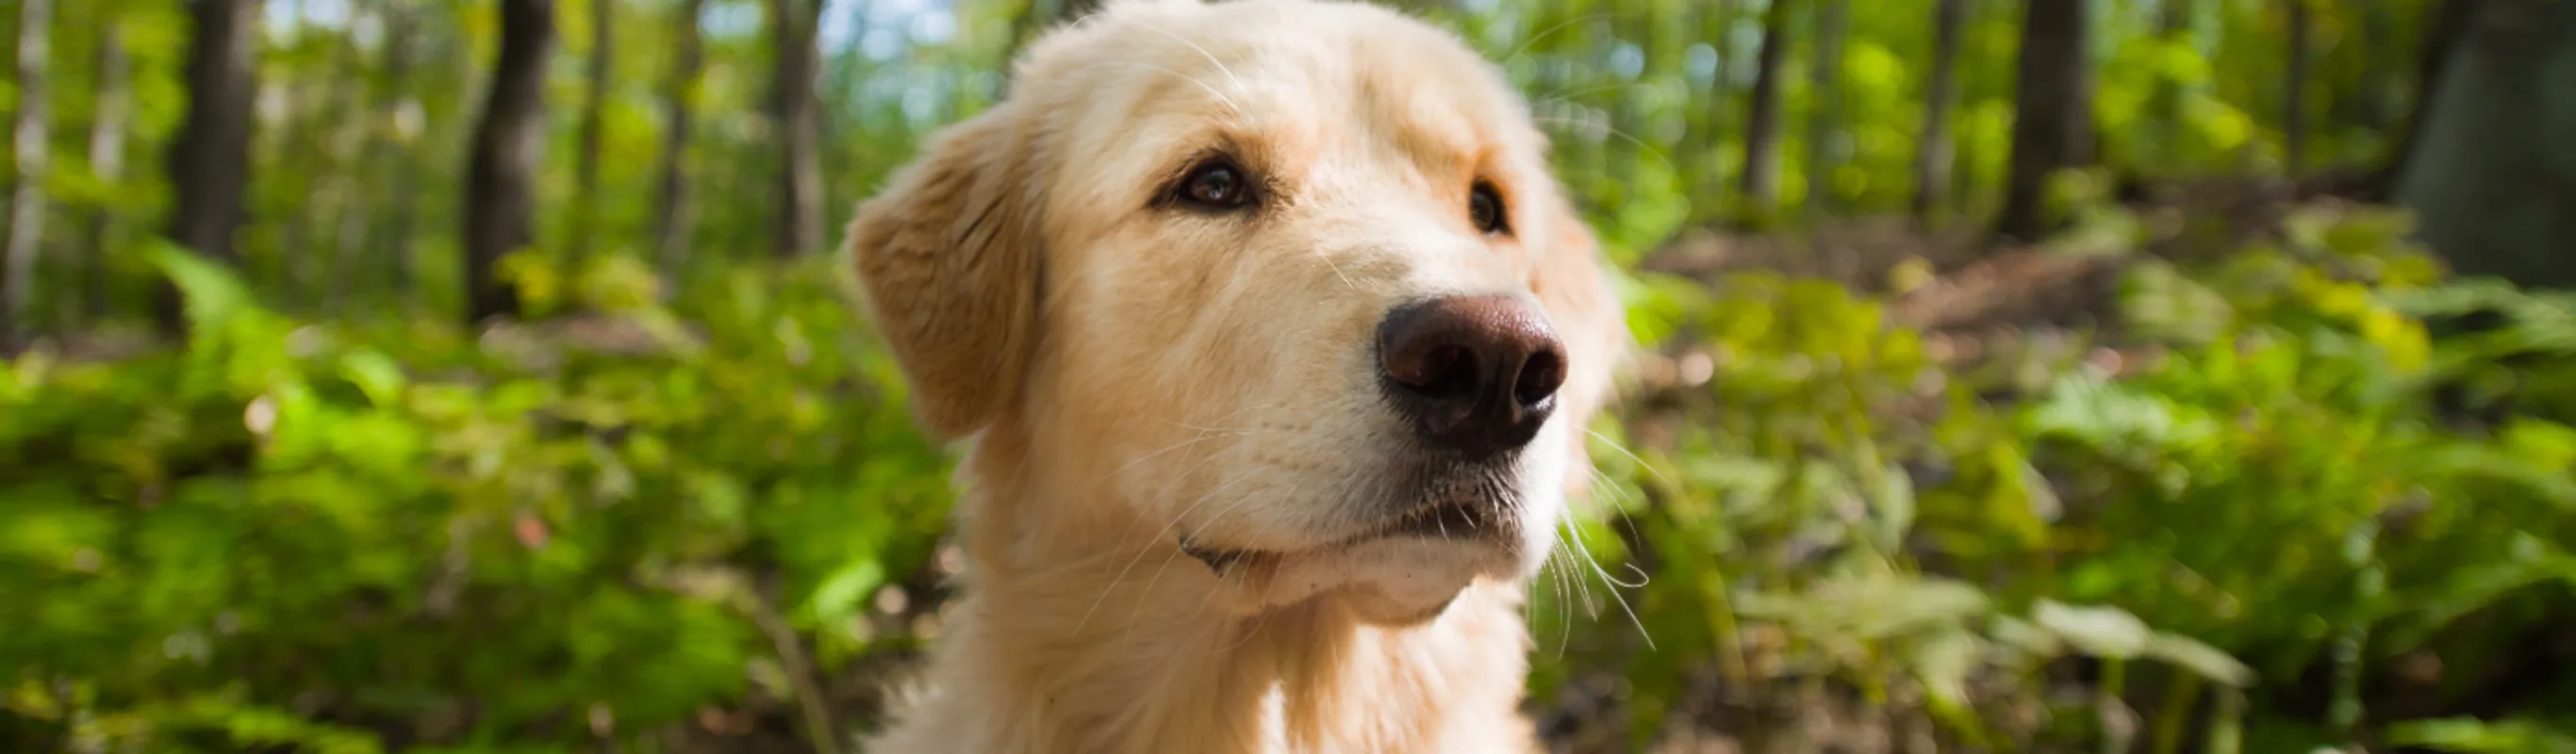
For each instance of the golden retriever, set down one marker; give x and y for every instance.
(1275, 340)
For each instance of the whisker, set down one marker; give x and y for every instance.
(1564, 609)
(1641, 462)
(1194, 533)
(1140, 554)
(1569, 96)
(1208, 435)
(1337, 269)
(1176, 553)
(1534, 38)
(1127, 541)
(1614, 586)
(1220, 65)
(1220, 96)
(1614, 131)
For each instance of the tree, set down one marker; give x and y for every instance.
(2173, 27)
(27, 198)
(335, 213)
(798, 125)
(107, 136)
(292, 155)
(1760, 191)
(2494, 186)
(594, 115)
(1824, 115)
(1932, 155)
(2053, 112)
(2447, 21)
(209, 163)
(677, 215)
(2294, 95)
(509, 147)
(395, 104)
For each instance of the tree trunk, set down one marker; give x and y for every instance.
(337, 143)
(290, 148)
(509, 146)
(1933, 155)
(2491, 175)
(27, 199)
(210, 160)
(107, 135)
(1760, 191)
(2447, 23)
(678, 215)
(2294, 97)
(1824, 116)
(2052, 119)
(395, 102)
(594, 116)
(2173, 26)
(800, 205)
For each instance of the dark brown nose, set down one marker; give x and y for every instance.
(1477, 375)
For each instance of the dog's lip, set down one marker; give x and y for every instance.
(1443, 519)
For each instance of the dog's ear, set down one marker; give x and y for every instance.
(947, 258)
(1571, 278)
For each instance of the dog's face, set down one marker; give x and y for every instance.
(1288, 280)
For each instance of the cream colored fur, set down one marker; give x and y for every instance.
(1132, 374)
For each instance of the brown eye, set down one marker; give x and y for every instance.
(1215, 186)
(1485, 209)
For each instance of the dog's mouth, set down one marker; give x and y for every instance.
(1474, 519)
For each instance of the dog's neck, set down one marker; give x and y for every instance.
(1063, 644)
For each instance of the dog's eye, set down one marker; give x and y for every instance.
(1485, 209)
(1215, 185)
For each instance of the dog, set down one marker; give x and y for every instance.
(1273, 340)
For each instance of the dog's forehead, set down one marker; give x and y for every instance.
(1313, 78)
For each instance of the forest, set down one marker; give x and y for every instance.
(2020, 375)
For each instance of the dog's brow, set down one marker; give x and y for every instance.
(1441, 135)
(1220, 96)
(1211, 58)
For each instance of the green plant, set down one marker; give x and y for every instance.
(2277, 480)
(295, 533)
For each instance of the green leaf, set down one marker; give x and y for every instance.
(376, 374)
(2472, 736)
(2201, 659)
(2101, 631)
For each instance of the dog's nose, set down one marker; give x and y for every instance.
(1477, 375)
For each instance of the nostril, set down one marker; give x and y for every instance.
(1476, 375)
(1539, 379)
(1446, 370)
(1455, 375)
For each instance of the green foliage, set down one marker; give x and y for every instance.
(2475, 737)
(2284, 484)
(387, 524)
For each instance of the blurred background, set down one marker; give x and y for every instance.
(2027, 375)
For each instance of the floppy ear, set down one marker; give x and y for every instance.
(947, 258)
(1571, 278)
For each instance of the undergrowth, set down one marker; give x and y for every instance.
(2325, 502)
